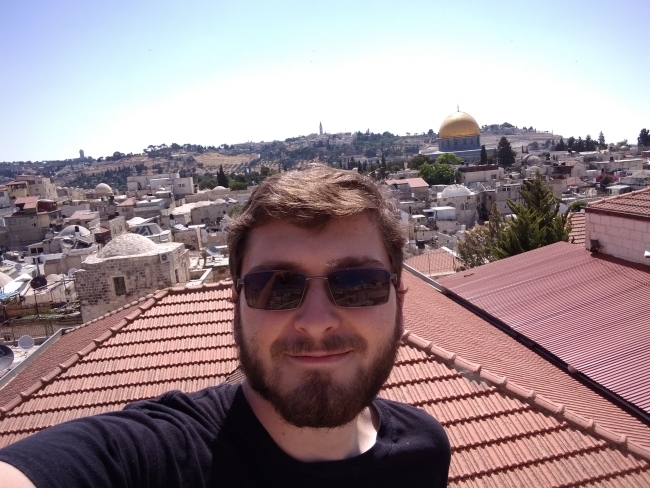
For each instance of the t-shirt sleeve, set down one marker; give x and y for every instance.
(166, 442)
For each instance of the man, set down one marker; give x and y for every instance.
(316, 261)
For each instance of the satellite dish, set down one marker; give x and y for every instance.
(6, 357)
(212, 250)
(18, 266)
(26, 342)
(71, 272)
(38, 282)
(67, 243)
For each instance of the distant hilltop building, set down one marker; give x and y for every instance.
(81, 154)
(459, 134)
(320, 127)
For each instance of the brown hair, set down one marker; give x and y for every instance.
(311, 197)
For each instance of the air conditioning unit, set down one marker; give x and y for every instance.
(165, 257)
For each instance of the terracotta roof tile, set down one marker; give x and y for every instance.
(634, 203)
(438, 262)
(431, 314)
(502, 433)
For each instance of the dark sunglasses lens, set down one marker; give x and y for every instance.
(274, 290)
(359, 287)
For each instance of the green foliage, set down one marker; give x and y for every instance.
(438, 174)
(417, 161)
(222, 179)
(236, 185)
(644, 138)
(484, 156)
(560, 146)
(235, 211)
(536, 222)
(577, 206)
(505, 154)
(601, 140)
(478, 246)
(449, 158)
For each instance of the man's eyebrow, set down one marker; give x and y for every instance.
(355, 262)
(276, 264)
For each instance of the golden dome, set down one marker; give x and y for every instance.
(459, 124)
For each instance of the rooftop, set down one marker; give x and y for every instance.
(577, 221)
(438, 262)
(412, 182)
(502, 432)
(591, 311)
(634, 203)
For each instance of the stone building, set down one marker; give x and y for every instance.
(32, 220)
(463, 200)
(140, 186)
(39, 186)
(488, 173)
(127, 268)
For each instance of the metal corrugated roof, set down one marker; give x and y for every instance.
(590, 310)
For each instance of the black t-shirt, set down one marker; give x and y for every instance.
(212, 438)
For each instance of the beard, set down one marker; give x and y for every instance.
(319, 401)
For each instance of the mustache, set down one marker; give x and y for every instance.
(333, 344)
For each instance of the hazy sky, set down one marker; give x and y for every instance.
(116, 75)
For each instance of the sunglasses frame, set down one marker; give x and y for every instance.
(392, 277)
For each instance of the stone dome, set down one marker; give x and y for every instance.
(532, 160)
(455, 191)
(127, 245)
(5, 279)
(69, 231)
(219, 188)
(459, 124)
(103, 189)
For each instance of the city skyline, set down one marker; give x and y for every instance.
(119, 77)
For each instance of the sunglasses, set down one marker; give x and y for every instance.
(284, 290)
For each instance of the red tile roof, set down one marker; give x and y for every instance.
(27, 202)
(502, 433)
(129, 202)
(589, 310)
(176, 339)
(634, 203)
(412, 182)
(438, 262)
(577, 221)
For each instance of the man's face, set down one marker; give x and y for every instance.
(319, 365)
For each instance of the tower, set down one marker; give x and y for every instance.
(320, 126)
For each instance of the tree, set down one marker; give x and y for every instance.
(536, 222)
(601, 140)
(478, 246)
(505, 154)
(560, 146)
(484, 157)
(579, 146)
(644, 138)
(569, 142)
(222, 179)
(449, 158)
(237, 185)
(419, 160)
(438, 174)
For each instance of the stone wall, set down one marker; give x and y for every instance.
(143, 274)
(625, 238)
(190, 237)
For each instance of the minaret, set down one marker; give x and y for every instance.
(320, 126)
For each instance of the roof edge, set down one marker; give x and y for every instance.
(503, 384)
(138, 308)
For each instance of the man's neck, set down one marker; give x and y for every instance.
(309, 445)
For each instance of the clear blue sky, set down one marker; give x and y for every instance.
(108, 76)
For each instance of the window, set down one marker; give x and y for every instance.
(120, 285)
(177, 279)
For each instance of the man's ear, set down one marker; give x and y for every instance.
(234, 295)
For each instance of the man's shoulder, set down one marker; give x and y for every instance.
(412, 426)
(214, 401)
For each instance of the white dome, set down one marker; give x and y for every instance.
(69, 231)
(5, 279)
(103, 189)
(127, 245)
(219, 188)
(455, 191)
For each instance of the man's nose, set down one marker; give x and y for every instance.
(317, 314)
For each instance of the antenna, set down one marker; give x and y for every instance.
(26, 342)
(6, 357)
(18, 266)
